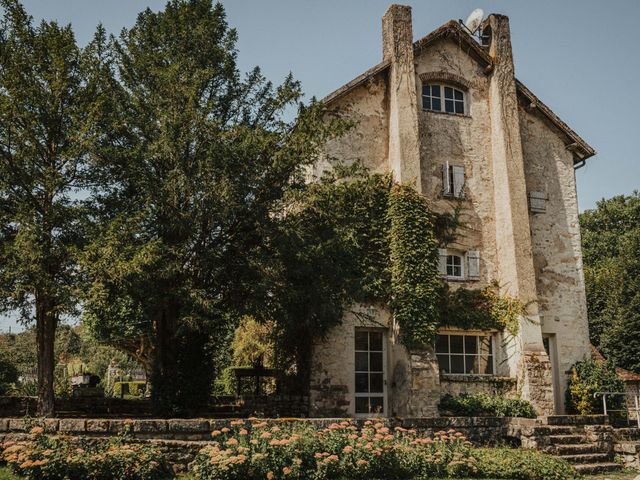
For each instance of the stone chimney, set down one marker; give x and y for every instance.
(397, 48)
(513, 236)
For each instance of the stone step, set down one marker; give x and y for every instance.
(553, 430)
(591, 468)
(630, 446)
(575, 449)
(586, 458)
(629, 433)
(575, 420)
(564, 439)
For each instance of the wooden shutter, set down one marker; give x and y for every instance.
(458, 180)
(473, 264)
(447, 188)
(442, 262)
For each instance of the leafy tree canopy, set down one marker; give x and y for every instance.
(611, 241)
(47, 100)
(197, 158)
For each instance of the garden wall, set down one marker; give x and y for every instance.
(181, 439)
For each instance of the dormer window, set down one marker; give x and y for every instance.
(437, 97)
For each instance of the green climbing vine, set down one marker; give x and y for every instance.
(390, 237)
(415, 281)
(482, 309)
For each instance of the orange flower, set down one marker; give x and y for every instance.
(269, 475)
(286, 470)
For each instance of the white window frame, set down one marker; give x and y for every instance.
(382, 395)
(453, 267)
(453, 180)
(468, 272)
(427, 99)
(448, 334)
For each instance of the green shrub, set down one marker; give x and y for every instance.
(521, 464)
(482, 404)
(589, 377)
(135, 389)
(59, 458)
(8, 376)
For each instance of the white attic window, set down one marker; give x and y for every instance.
(438, 97)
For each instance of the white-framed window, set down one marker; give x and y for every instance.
(438, 97)
(453, 180)
(456, 265)
(465, 354)
(370, 368)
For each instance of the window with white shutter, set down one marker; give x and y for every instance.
(447, 180)
(452, 180)
(442, 261)
(538, 202)
(473, 264)
(458, 180)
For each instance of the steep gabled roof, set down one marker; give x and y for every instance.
(453, 30)
(582, 148)
(359, 80)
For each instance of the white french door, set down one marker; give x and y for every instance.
(370, 372)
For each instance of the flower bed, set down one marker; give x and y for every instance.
(61, 458)
(255, 450)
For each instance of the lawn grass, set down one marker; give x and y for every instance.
(6, 474)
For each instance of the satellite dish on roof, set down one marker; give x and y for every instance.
(474, 20)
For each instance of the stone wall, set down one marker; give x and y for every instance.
(555, 234)
(458, 384)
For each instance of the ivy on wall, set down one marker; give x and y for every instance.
(415, 281)
(481, 309)
(390, 238)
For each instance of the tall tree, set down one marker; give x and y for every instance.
(611, 239)
(198, 160)
(45, 110)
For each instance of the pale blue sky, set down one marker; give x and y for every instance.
(580, 57)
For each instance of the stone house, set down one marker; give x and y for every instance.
(446, 114)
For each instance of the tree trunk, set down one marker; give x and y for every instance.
(163, 380)
(45, 336)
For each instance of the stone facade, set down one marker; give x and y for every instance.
(511, 148)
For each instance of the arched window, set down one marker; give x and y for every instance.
(439, 97)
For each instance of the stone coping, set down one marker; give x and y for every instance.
(448, 377)
(199, 425)
(203, 425)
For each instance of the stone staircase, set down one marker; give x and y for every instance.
(585, 441)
